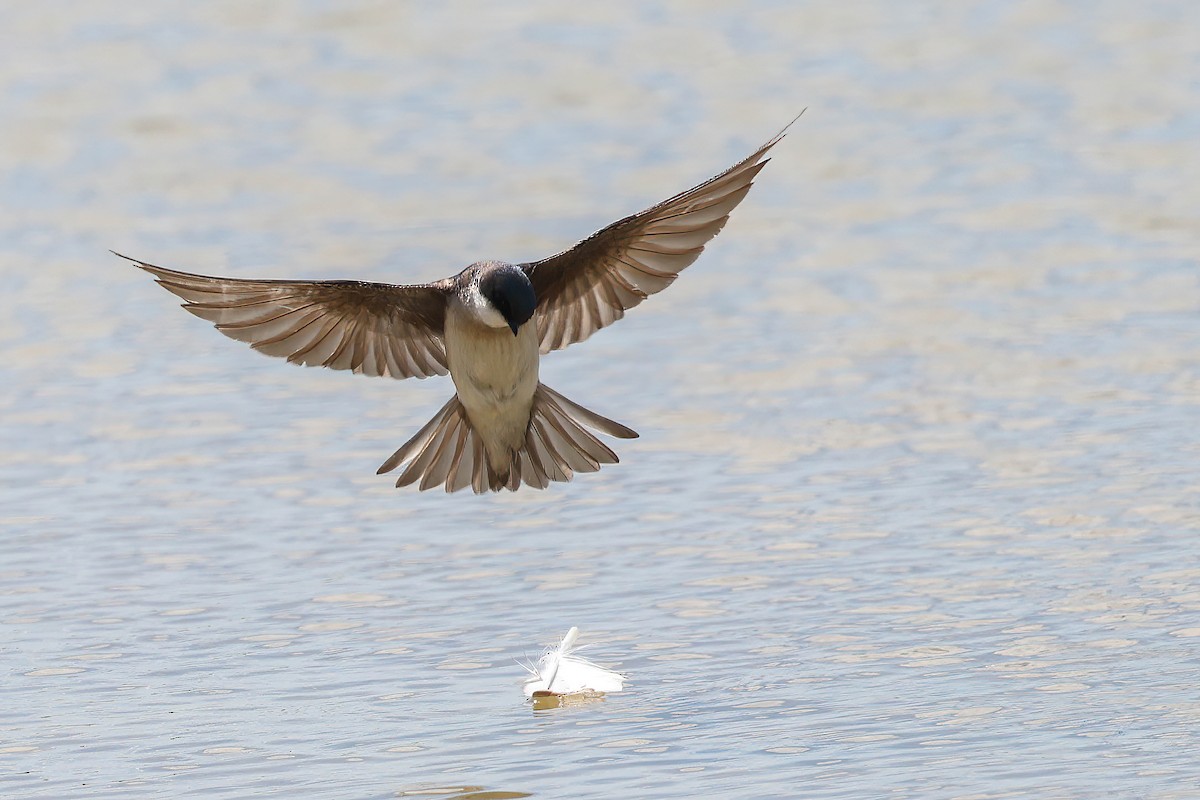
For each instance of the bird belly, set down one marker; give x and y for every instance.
(496, 375)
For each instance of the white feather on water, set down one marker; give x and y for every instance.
(561, 672)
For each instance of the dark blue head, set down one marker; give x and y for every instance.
(509, 291)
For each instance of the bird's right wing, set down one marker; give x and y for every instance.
(372, 328)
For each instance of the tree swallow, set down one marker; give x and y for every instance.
(487, 327)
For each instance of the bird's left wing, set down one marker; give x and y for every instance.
(372, 328)
(590, 286)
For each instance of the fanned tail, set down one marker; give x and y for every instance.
(558, 443)
(448, 451)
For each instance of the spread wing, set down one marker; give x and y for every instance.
(594, 283)
(372, 328)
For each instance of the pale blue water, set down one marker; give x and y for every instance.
(914, 511)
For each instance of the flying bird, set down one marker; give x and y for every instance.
(487, 327)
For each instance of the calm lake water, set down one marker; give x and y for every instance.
(916, 507)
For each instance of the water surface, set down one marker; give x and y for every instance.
(914, 511)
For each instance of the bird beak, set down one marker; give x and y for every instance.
(514, 326)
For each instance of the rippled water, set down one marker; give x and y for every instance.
(914, 511)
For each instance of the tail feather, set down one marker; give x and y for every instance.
(580, 442)
(461, 469)
(553, 465)
(443, 461)
(587, 417)
(480, 475)
(427, 458)
(448, 451)
(530, 469)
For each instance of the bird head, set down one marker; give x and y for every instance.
(506, 290)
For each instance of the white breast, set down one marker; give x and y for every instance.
(495, 374)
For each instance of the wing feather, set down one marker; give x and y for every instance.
(370, 328)
(593, 284)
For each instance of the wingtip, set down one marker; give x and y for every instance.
(135, 262)
(774, 140)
